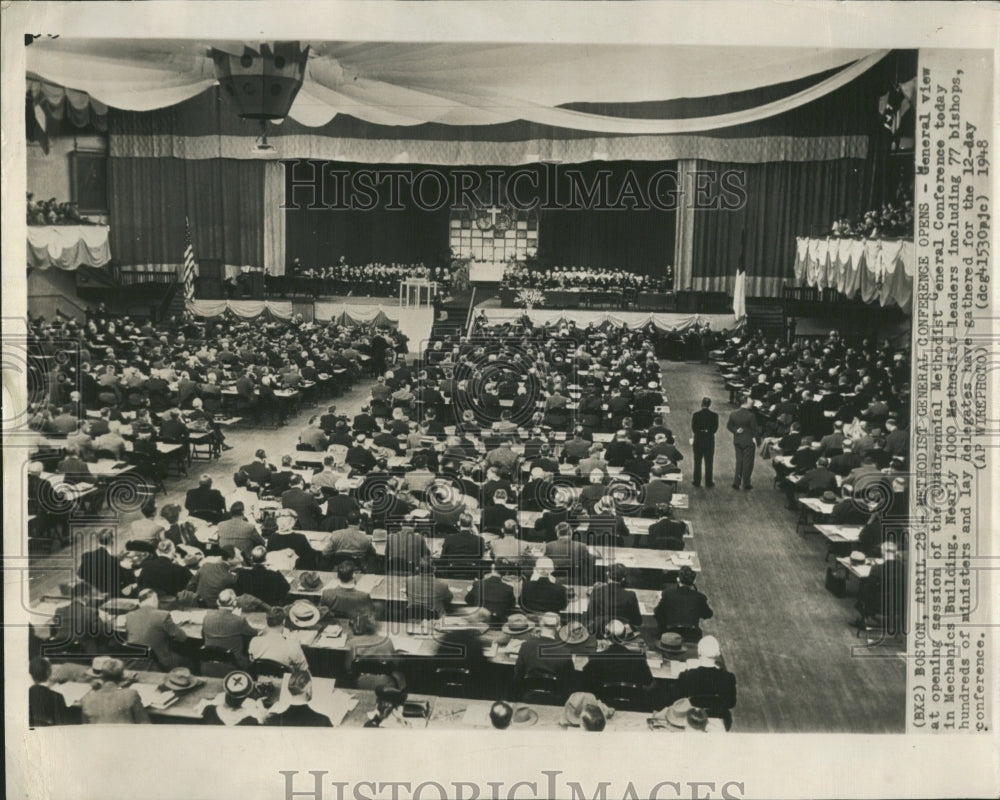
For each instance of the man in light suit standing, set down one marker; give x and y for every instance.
(746, 436)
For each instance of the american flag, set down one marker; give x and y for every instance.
(190, 265)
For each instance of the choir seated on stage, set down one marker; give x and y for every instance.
(344, 279)
(517, 276)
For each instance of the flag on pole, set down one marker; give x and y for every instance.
(740, 295)
(740, 287)
(190, 265)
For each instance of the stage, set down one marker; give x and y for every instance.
(633, 319)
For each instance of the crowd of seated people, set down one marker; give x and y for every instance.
(561, 420)
(374, 279)
(517, 276)
(838, 411)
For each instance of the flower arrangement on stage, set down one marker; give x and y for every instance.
(529, 298)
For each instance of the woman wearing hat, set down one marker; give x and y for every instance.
(235, 706)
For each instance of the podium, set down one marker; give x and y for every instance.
(411, 292)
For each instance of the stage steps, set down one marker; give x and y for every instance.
(453, 315)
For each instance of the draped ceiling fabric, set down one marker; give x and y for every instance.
(798, 120)
(68, 246)
(877, 269)
(476, 104)
(58, 103)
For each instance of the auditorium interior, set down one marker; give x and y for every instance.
(390, 385)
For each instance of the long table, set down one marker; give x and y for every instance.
(352, 708)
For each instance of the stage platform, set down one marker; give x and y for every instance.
(633, 319)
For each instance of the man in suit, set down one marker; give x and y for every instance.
(425, 591)
(350, 542)
(215, 577)
(682, 607)
(657, 491)
(492, 594)
(259, 470)
(464, 543)
(99, 567)
(611, 600)
(205, 502)
(541, 594)
(707, 678)
(616, 664)
(274, 645)
(297, 712)
(149, 627)
(544, 655)
(304, 504)
(571, 557)
(45, 706)
(404, 549)
(227, 630)
(238, 532)
(162, 573)
(112, 704)
(743, 426)
(704, 424)
(267, 585)
(345, 600)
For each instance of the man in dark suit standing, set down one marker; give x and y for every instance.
(99, 567)
(704, 424)
(743, 425)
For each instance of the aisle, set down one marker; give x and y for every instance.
(797, 663)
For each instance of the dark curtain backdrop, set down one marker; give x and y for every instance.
(633, 238)
(319, 237)
(630, 237)
(222, 198)
(784, 200)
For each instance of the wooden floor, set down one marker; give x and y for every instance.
(798, 665)
(797, 662)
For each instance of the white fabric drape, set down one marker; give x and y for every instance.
(462, 83)
(684, 230)
(879, 269)
(245, 309)
(274, 218)
(68, 246)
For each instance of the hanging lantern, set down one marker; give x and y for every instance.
(262, 83)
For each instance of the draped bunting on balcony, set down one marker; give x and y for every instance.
(877, 269)
(68, 246)
(245, 309)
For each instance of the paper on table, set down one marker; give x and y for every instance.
(306, 638)
(72, 692)
(514, 646)
(336, 706)
(151, 695)
(477, 715)
(368, 583)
